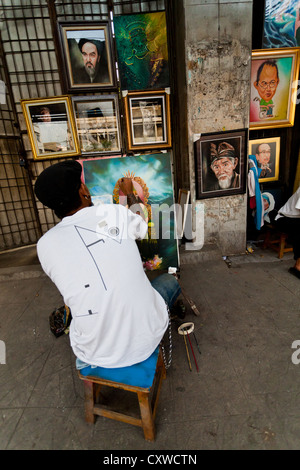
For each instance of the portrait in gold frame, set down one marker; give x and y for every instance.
(51, 127)
(148, 120)
(274, 84)
(267, 153)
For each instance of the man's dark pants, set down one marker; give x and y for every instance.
(291, 226)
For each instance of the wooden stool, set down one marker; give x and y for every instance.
(144, 379)
(277, 241)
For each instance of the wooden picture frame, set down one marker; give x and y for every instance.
(98, 125)
(267, 153)
(220, 160)
(51, 127)
(86, 49)
(274, 83)
(148, 122)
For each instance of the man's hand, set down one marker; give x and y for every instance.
(126, 186)
(133, 202)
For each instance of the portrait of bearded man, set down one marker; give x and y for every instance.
(94, 67)
(223, 163)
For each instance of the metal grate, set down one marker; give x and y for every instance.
(18, 219)
(89, 10)
(30, 69)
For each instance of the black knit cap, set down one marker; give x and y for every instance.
(57, 187)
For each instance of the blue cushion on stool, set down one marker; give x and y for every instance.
(138, 375)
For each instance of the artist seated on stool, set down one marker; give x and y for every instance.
(288, 221)
(91, 255)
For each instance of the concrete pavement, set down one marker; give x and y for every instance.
(244, 397)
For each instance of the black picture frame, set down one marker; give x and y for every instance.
(96, 38)
(209, 149)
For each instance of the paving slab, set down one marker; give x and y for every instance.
(245, 395)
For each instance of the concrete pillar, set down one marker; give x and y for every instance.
(218, 42)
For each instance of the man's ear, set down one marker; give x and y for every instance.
(236, 160)
(84, 191)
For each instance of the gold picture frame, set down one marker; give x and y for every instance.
(148, 122)
(267, 153)
(273, 90)
(51, 127)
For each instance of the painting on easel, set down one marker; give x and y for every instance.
(152, 181)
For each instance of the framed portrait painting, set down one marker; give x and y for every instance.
(274, 81)
(97, 121)
(142, 50)
(148, 120)
(51, 127)
(220, 164)
(86, 50)
(267, 152)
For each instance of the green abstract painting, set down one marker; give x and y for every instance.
(142, 51)
(152, 181)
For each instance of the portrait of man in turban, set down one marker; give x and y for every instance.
(223, 163)
(220, 159)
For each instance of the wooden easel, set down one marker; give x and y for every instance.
(191, 303)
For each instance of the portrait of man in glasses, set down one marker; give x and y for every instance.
(263, 156)
(266, 83)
